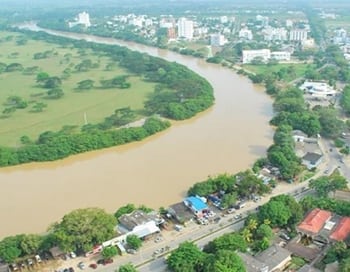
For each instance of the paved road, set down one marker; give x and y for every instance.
(146, 260)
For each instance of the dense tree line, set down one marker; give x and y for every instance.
(339, 207)
(180, 92)
(188, 257)
(57, 145)
(242, 184)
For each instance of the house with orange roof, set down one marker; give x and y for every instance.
(314, 222)
(342, 230)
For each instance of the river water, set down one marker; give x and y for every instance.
(156, 172)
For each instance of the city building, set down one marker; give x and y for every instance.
(308, 44)
(185, 29)
(298, 35)
(275, 34)
(342, 230)
(83, 18)
(340, 36)
(217, 40)
(264, 20)
(280, 55)
(318, 89)
(196, 205)
(250, 55)
(312, 160)
(275, 257)
(289, 23)
(314, 222)
(245, 33)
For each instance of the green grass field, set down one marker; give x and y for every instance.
(70, 109)
(299, 68)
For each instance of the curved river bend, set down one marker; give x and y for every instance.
(155, 172)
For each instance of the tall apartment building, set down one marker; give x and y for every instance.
(298, 35)
(185, 29)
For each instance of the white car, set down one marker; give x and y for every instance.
(37, 258)
(72, 254)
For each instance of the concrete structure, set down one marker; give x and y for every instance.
(180, 212)
(308, 44)
(250, 55)
(314, 222)
(246, 34)
(289, 23)
(83, 18)
(298, 35)
(299, 136)
(275, 34)
(128, 222)
(251, 264)
(185, 29)
(280, 55)
(4, 268)
(311, 160)
(217, 40)
(317, 89)
(342, 230)
(275, 257)
(196, 205)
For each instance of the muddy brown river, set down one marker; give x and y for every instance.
(156, 172)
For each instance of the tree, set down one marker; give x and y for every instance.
(276, 212)
(109, 252)
(30, 243)
(186, 258)
(127, 268)
(225, 261)
(264, 231)
(55, 93)
(344, 265)
(324, 185)
(86, 84)
(42, 77)
(39, 107)
(52, 82)
(230, 241)
(134, 241)
(81, 229)
(128, 208)
(10, 249)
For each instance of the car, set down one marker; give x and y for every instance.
(158, 239)
(14, 267)
(38, 258)
(30, 262)
(100, 261)
(81, 265)
(131, 251)
(72, 254)
(93, 266)
(231, 210)
(108, 261)
(284, 236)
(238, 216)
(71, 269)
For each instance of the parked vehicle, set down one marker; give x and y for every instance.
(37, 259)
(93, 266)
(131, 251)
(81, 265)
(72, 254)
(71, 269)
(14, 267)
(30, 262)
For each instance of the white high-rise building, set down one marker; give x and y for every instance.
(298, 35)
(84, 19)
(185, 29)
(246, 34)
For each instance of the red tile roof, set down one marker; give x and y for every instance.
(315, 221)
(342, 230)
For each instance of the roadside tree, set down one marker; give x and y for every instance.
(133, 241)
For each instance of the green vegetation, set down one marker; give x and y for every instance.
(127, 268)
(339, 207)
(133, 241)
(82, 229)
(109, 252)
(179, 94)
(242, 184)
(324, 185)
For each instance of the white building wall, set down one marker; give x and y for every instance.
(185, 28)
(249, 55)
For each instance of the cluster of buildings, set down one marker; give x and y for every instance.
(264, 55)
(82, 19)
(341, 38)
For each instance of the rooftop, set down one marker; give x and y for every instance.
(312, 157)
(274, 256)
(342, 230)
(195, 203)
(136, 218)
(251, 264)
(315, 221)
